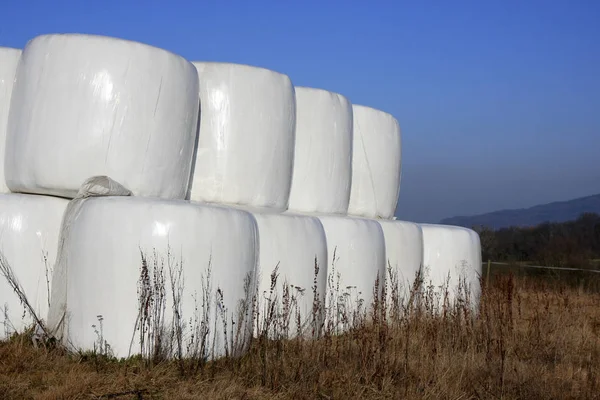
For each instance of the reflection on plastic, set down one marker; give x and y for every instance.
(193, 244)
(160, 229)
(358, 246)
(9, 58)
(86, 105)
(290, 245)
(246, 142)
(29, 231)
(404, 253)
(376, 163)
(323, 153)
(455, 252)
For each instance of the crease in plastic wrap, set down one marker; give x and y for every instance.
(134, 267)
(376, 163)
(29, 233)
(452, 262)
(96, 186)
(293, 271)
(323, 153)
(356, 270)
(404, 260)
(9, 59)
(245, 148)
(86, 105)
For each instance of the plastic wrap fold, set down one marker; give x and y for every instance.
(452, 262)
(9, 59)
(29, 232)
(246, 143)
(376, 163)
(323, 153)
(85, 105)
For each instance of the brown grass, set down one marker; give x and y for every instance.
(530, 340)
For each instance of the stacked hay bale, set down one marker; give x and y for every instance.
(245, 159)
(88, 106)
(161, 207)
(29, 229)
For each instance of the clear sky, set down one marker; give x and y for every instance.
(498, 101)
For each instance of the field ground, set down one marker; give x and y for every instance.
(582, 279)
(537, 336)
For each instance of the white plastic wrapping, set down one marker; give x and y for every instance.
(293, 249)
(452, 262)
(404, 253)
(29, 231)
(203, 254)
(323, 153)
(356, 254)
(246, 142)
(9, 59)
(376, 163)
(86, 105)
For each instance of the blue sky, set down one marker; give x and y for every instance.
(498, 101)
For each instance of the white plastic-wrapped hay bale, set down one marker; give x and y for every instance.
(246, 142)
(292, 274)
(85, 105)
(29, 231)
(323, 152)
(126, 260)
(356, 254)
(404, 253)
(9, 59)
(452, 263)
(376, 163)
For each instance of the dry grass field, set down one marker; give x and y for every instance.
(533, 338)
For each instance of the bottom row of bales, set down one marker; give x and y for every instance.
(147, 276)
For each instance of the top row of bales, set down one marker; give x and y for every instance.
(164, 127)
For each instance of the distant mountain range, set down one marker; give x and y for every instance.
(553, 212)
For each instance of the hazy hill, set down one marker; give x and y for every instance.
(552, 212)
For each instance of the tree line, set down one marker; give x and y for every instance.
(566, 244)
